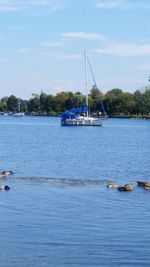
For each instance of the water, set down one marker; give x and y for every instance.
(58, 211)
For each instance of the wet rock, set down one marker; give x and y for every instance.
(127, 188)
(5, 174)
(4, 187)
(112, 185)
(143, 183)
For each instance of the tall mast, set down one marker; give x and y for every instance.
(18, 105)
(86, 83)
(96, 86)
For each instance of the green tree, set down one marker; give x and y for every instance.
(113, 101)
(50, 105)
(127, 104)
(146, 96)
(12, 103)
(79, 100)
(3, 104)
(62, 101)
(139, 102)
(95, 96)
(34, 103)
(42, 99)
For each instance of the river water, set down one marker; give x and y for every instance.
(58, 211)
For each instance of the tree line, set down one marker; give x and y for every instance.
(116, 103)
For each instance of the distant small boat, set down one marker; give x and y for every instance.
(72, 117)
(18, 114)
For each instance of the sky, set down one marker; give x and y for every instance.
(43, 42)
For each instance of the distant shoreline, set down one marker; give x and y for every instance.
(121, 116)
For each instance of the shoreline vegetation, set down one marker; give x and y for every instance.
(118, 104)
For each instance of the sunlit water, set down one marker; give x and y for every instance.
(58, 211)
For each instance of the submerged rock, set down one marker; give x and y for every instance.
(112, 185)
(127, 187)
(143, 183)
(5, 174)
(4, 187)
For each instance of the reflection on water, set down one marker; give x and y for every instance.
(55, 215)
(61, 182)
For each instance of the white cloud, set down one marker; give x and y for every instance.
(16, 5)
(51, 4)
(120, 4)
(4, 60)
(71, 56)
(51, 44)
(9, 6)
(23, 50)
(125, 49)
(16, 28)
(84, 35)
(144, 66)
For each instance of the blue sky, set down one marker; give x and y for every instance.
(42, 44)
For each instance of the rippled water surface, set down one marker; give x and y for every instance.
(58, 211)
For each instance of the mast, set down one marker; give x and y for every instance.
(18, 105)
(86, 83)
(95, 84)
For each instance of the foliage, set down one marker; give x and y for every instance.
(12, 103)
(115, 101)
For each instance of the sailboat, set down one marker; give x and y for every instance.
(18, 113)
(73, 117)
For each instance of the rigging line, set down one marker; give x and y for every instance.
(96, 85)
(86, 82)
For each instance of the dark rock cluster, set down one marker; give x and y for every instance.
(129, 187)
(5, 174)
